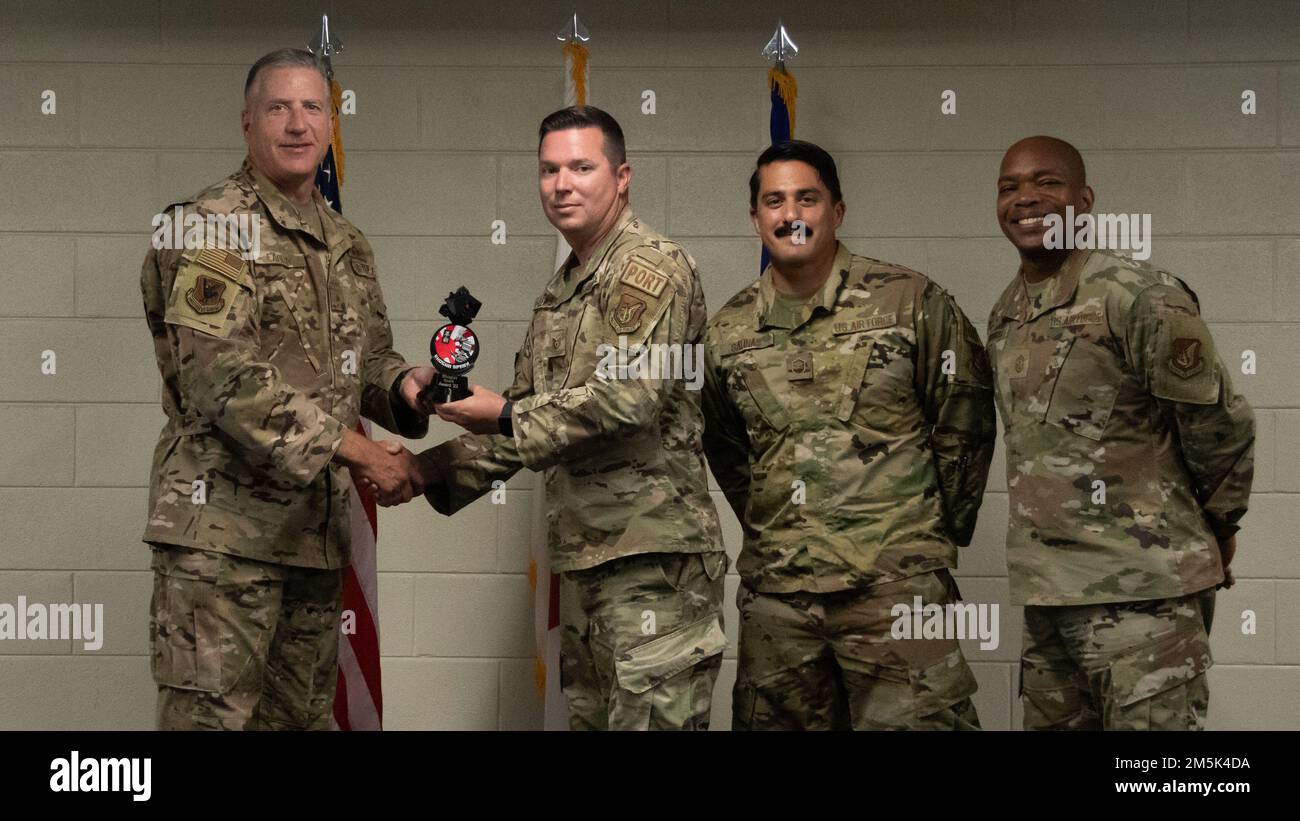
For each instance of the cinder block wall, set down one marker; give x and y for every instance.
(449, 96)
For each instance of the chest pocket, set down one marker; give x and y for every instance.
(555, 332)
(878, 391)
(1084, 380)
(998, 346)
(764, 413)
(290, 319)
(764, 406)
(352, 302)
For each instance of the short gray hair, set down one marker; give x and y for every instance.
(282, 58)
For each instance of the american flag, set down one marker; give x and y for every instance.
(358, 699)
(782, 89)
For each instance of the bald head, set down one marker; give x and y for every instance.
(1039, 176)
(1066, 155)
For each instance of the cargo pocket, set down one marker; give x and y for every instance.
(942, 684)
(182, 645)
(210, 618)
(888, 696)
(1160, 686)
(667, 683)
(1054, 701)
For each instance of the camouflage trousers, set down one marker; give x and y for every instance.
(828, 661)
(641, 641)
(242, 645)
(1124, 666)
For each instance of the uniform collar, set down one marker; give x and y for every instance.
(286, 212)
(824, 297)
(571, 275)
(1059, 290)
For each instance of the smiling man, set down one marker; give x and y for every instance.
(267, 355)
(1129, 464)
(850, 423)
(633, 531)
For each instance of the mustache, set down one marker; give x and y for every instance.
(787, 229)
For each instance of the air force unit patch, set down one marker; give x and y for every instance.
(626, 315)
(208, 281)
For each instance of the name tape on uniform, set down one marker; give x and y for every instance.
(749, 343)
(871, 323)
(1078, 316)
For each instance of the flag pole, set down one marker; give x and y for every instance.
(546, 585)
(783, 91)
(358, 692)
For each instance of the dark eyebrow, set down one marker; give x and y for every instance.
(798, 193)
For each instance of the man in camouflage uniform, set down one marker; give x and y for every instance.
(850, 424)
(266, 363)
(1129, 463)
(632, 529)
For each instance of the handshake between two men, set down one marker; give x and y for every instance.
(391, 472)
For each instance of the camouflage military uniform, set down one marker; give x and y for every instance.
(625, 483)
(852, 435)
(264, 363)
(1129, 457)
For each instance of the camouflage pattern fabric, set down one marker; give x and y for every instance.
(1129, 455)
(242, 645)
(641, 641)
(1118, 666)
(264, 364)
(852, 435)
(827, 661)
(623, 462)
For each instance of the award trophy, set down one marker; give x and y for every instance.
(453, 350)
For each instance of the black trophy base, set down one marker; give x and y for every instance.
(444, 389)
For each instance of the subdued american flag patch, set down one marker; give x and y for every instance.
(227, 263)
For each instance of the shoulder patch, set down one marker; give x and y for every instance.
(626, 316)
(227, 263)
(208, 294)
(1185, 369)
(1185, 357)
(640, 274)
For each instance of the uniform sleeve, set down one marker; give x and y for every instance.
(955, 387)
(726, 439)
(648, 298)
(211, 316)
(1170, 349)
(382, 368)
(467, 466)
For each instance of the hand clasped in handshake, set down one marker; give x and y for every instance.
(387, 469)
(393, 473)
